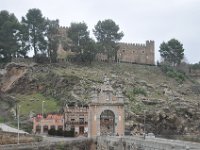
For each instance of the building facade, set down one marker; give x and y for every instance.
(76, 119)
(41, 125)
(133, 53)
(106, 111)
(103, 116)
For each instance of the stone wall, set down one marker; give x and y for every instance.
(76, 144)
(12, 138)
(139, 143)
(133, 53)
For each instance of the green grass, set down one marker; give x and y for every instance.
(1, 119)
(33, 103)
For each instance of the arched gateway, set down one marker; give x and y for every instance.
(107, 123)
(106, 111)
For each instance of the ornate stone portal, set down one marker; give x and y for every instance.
(106, 111)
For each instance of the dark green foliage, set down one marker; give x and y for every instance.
(135, 91)
(41, 58)
(53, 39)
(9, 29)
(179, 76)
(172, 52)
(107, 34)
(68, 133)
(60, 132)
(195, 66)
(36, 25)
(52, 131)
(82, 44)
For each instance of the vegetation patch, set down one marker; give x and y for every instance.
(1, 119)
(135, 91)
(33, 104)
(174, 73)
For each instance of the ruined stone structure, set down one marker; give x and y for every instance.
(106, 111)
(133, 53)
(62, 55)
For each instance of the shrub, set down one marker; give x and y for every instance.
(52, 131)
(171, 72)
(59, 132)
(68, 133)
(137, 91)
(41, 58)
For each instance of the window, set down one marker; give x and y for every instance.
(81, 120)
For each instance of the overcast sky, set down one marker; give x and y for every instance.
(140, 20)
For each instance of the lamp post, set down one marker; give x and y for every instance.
(144, 122)
(18, 111)
(42, 108)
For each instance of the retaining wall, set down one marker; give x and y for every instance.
(76, 144)
(139, 143)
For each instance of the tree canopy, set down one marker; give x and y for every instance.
(9, 29)
(83, 45)
(36, 28)
(107, 34)
(172, 52)
(53, 39)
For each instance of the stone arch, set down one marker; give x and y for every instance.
(107, 122)
(100, 110)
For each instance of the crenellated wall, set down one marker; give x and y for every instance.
(133, 53)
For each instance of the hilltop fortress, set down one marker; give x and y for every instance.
(128, 52)
(133, 53)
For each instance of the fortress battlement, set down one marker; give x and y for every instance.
(141, 53)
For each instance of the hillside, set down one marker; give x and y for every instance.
(167, 105)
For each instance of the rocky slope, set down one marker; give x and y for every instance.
(165, 105)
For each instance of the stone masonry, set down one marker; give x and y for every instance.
(141, 143)
(105, 99)
(133, 53)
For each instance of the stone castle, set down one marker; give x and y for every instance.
(128, 52)
(133, 53)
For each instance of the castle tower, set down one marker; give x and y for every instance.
(136, 53)
(150, 56)
(106, 111)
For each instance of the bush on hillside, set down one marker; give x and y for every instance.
(178, 75)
